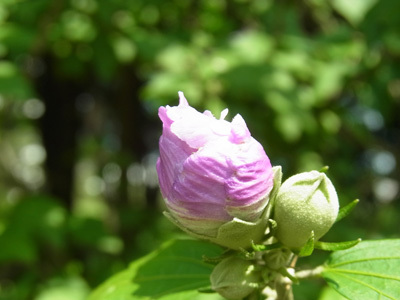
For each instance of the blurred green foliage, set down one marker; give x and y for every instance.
(317, 81)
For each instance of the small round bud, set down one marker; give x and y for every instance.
(234, 278)
(305, 202)
(277, 258)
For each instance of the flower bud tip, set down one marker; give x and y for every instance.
(182, 99)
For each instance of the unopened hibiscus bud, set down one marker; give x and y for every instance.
(305, 202)
(215, 178)
(234, 278)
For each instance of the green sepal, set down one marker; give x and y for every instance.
(235, 234)
(246, 255)
(326, 246)
(272, 226)
(277, 184)
(238, 234)
(324, 169)
(176, 222)
(308, 248)
(346, 210)
(259, 248)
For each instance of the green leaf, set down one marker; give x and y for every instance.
(64, 289)
(36, 221)
(370, 270)
(176, 268)
(252, 46)
(355, 10)
(329, 293)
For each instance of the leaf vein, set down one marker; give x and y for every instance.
(184, 287)
(364, 260)
(369, 286)
(378, 275)
(184, 259)
(169, 277)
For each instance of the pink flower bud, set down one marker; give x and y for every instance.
(210, 170)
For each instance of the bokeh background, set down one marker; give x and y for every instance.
(317, 81)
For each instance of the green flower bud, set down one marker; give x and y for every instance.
(305, 202)
(277, 258)
(234, 278)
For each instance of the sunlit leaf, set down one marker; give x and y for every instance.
(34, 218)
(370, 270)
(252, 46)
(329, 293)
(176, 269)
(64, 289)
(355, 10)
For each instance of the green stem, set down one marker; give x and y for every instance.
(283, 288)
(309, 273)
